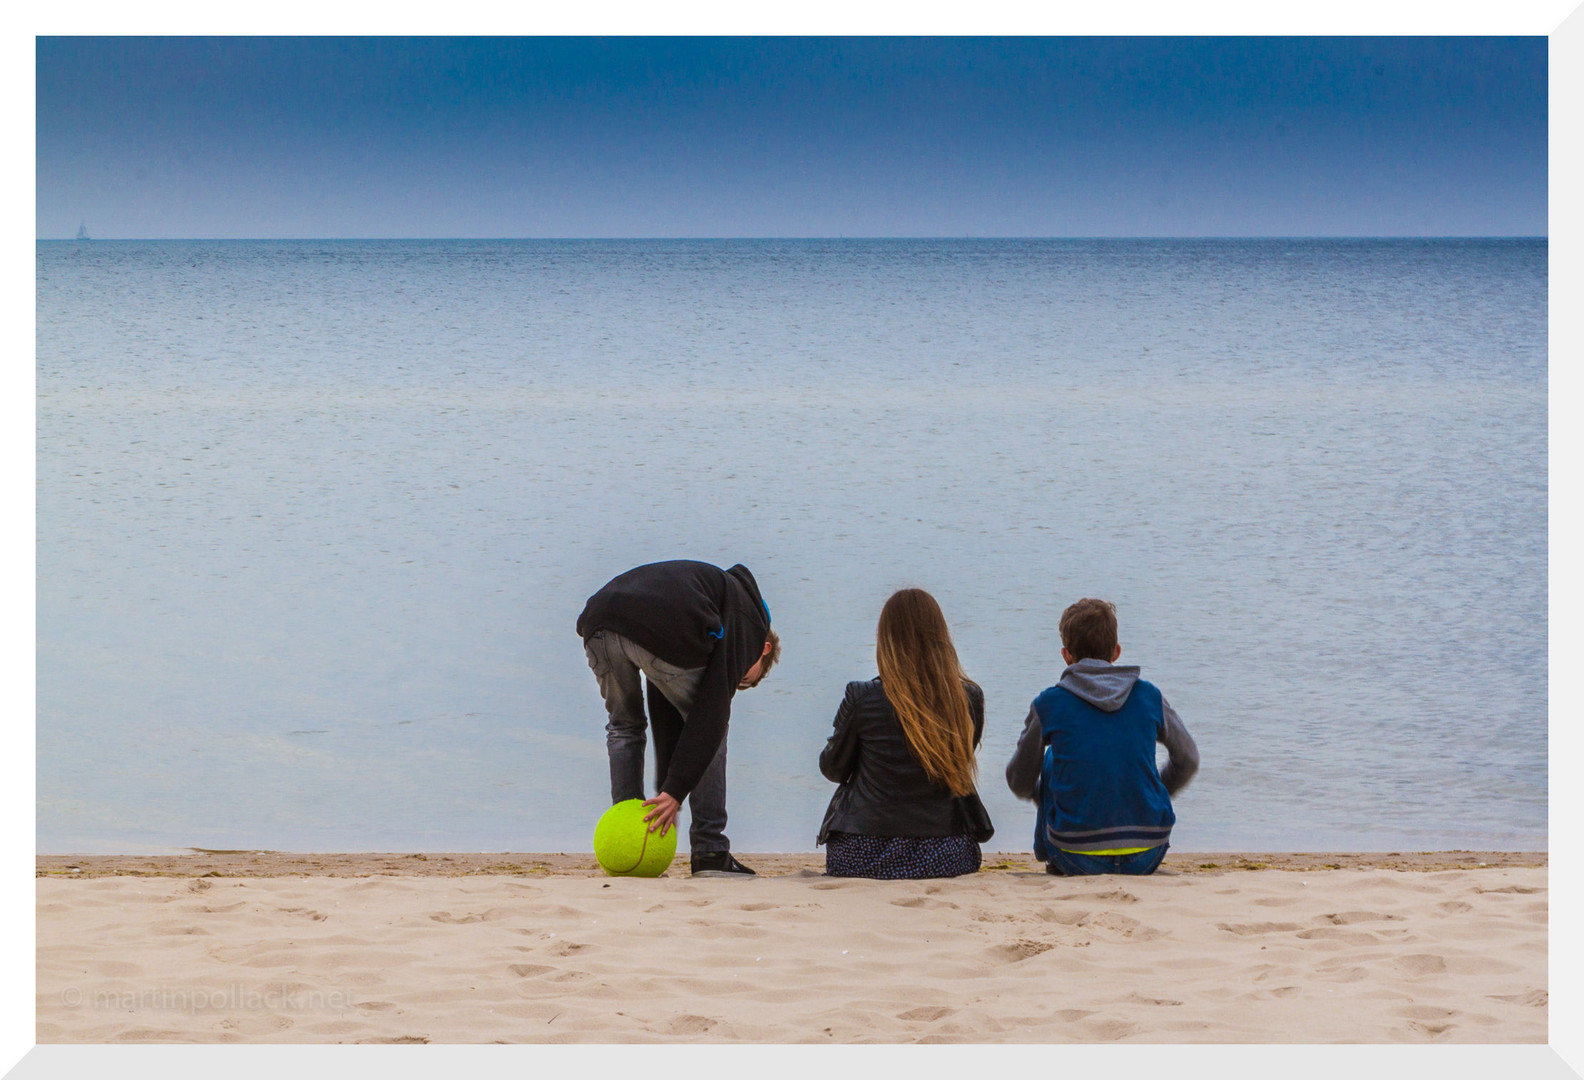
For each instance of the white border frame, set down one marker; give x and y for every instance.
(1557, 19)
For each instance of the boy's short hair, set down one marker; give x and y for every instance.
(1089, 630)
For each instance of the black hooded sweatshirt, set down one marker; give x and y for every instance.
(693, 615)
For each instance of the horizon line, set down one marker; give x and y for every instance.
(738, 239)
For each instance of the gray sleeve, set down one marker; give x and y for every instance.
(1180, 749)
(1023, 771)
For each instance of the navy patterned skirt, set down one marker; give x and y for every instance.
(894, 857)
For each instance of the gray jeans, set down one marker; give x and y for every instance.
(617, 662)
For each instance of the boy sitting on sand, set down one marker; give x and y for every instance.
(1087, 756)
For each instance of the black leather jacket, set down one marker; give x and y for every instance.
(884, 790)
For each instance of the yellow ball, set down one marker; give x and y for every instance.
(624, 845)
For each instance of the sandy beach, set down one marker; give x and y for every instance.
(514, 947)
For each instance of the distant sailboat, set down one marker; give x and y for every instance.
(82, 232)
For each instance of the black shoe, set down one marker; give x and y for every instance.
(719, 864)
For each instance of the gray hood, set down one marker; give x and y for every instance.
(1102, 685)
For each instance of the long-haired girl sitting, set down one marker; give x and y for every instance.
(903, 754)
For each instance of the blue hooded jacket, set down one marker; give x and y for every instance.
(1099, 789)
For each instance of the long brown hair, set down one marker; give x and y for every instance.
(923, 680)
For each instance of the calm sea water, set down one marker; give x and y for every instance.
(315, 520)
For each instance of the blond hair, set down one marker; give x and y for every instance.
(923, 680)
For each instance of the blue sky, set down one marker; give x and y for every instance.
(591, 137)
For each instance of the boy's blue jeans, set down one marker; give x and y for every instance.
(1073, 864)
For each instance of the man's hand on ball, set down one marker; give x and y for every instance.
(664, 814)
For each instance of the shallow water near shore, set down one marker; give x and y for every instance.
(315, 520)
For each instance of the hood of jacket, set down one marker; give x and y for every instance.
(1105, 686)
(758, 609)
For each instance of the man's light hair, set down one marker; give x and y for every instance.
(768, 660)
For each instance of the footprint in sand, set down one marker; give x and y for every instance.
(560, 911)
(1140, 999)
(118, 968)
(528, 971)
(1246, 929)
(447, 917)
(1110, 1030)
(1522, 890)
(1481, 965)
(926, 1013)
(1455, 907)
(1347, 975)
(1427, 1012)
(1129, 928)
(146, 1035)
(1338, 933)
(689, 1024)
(1533, 998)
(569, 948)
(401, 1039)
(1421, 964)
(376, 1006)
(1343, 918)
(1014, 951)
(307, 913)
(1115, 896)
(757, 907)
